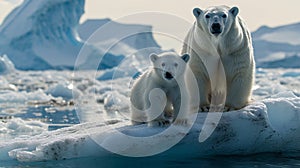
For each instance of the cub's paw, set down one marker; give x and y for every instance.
(136, 123)
(204, 108)
(183, 122)
(159, 123)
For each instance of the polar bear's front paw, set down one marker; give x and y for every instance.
(159, 123)
(216, 108)
(228, 108)
(218, 98)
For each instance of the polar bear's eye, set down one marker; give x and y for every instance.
(175, 64)
(224, 16)
(207, 16)
(163, 64)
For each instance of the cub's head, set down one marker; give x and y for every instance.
(216, 20)
(169, 66)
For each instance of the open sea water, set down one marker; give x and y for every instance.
(261, 160)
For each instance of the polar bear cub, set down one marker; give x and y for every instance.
(156, 94)
(222, 60)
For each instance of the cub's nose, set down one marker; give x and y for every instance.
(216, 28)
(168, 76)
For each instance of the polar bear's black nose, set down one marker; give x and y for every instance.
(216, 28)
(168, 75)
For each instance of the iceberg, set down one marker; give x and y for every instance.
(41, 35)
(286, 62)
(140, 36)
(275, 45)
(131, 66)
(281, 34)
(116, 42)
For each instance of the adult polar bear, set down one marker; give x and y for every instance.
(220, 47)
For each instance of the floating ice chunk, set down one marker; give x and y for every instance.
(9, 96)
(6, 66)
(286, 94)
(66, 91)
(111, 74)
(291, 74)
(16, 127)
(115, 101)
(264, 89)
(5, 85)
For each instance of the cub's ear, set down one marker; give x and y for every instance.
(234, 11)
(153, 57)
(197, 12)
(185, 57)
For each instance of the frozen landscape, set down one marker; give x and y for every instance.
(48, 112)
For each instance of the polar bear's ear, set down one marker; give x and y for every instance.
(234, 11)
(153, 57)
(197, 12)
(185, 57)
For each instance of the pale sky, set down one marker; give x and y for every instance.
(255, 12)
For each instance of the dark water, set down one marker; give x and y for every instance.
(51, 115)
(261, 160)
(55, 117)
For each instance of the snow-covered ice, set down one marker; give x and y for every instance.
(270, 124)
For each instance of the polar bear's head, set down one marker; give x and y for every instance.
(216, 20)
(169, 66)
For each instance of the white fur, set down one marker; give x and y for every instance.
(154, 97)
(231, 49)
